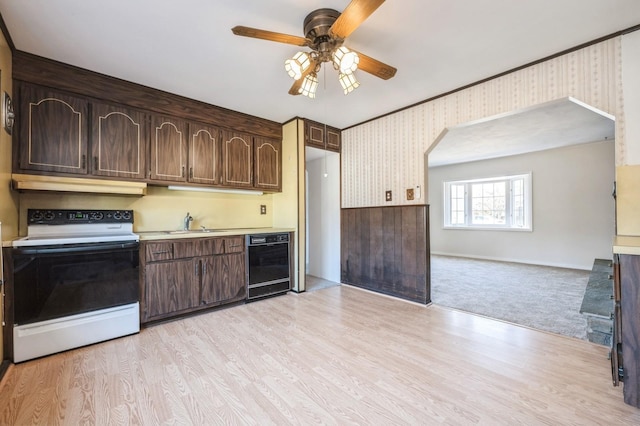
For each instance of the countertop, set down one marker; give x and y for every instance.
(626, 245)
(171, 235)
(167, 235)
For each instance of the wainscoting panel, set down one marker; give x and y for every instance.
(386, 249)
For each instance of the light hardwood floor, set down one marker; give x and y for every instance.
(335, 356)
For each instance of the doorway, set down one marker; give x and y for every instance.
(568, 148)
(322, 194)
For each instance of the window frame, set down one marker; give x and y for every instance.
(509, 202)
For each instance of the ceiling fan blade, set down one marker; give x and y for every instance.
(375, 67)
(295, 87)
(352, 16)
(269, 35)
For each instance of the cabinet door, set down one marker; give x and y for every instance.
(171, 287)
(53, 131)
(237, 157)
(333, 139)
(321, 136)
(267, 163)
(314, 134)
(204, 154)
(223, 278)
(119, 142)
(168, 149)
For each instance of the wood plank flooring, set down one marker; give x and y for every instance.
(339, 355)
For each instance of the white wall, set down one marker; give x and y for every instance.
(323, 200)
(573, 210)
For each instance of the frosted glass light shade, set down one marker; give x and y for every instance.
(297, 65)
(345, 60)
(348, 82)
(309, 85)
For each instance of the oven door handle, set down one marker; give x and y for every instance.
(77, 248)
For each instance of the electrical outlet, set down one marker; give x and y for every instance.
(409, 194)
(387, 196)
(263, 209)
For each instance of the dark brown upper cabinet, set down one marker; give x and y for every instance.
(267, 163)
(321, 136)
(237, 155)
(168, 149)
(53, 131)
(119, 142)
(204, 154)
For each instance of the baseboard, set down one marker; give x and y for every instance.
(4, 366)
(526, 262)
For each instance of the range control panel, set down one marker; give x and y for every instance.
(65, 217)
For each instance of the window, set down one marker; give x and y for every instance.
(497, 203)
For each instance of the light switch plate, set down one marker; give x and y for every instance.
(263, 209)
(387, 196)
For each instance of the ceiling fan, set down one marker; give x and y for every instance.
(325, 31)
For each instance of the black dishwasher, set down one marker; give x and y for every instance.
(268, 265)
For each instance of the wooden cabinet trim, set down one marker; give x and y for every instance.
(228, 158)
(267, 164)
(78, 115)
(101, 120)
(132, 155)
(199, 165)
(158, 169)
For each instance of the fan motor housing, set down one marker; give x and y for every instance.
(318, 23)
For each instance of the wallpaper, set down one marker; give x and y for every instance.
(389, 153)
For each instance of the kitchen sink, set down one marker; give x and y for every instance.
(195, 231)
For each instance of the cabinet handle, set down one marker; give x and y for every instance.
(95, 163)
(197, 264)
(191, 172)
(204, 269)
(84, 161)
(182, 172)
(162, 252)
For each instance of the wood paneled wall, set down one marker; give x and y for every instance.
(386, 249)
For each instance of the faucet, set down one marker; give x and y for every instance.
(187, 220)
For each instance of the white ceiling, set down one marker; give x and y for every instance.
(187, 47)
(552, 125)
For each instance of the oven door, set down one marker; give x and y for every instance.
(268, 269)
(52, 282)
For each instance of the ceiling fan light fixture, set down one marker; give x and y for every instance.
(348, 82)
(345, 60)
(309, 85)
(297, 65)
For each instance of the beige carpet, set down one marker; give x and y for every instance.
(540, 297)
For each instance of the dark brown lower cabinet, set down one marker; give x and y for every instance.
(181, 276)
(223, 278)
(628, 325)
(386, 249)
(172, 287)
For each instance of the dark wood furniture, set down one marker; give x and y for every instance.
(267, 166)
(76, 122)
(119, 142)
(625, 356)
(204, 154)
(54, 129)
(321, 136)
(386, 249)
(186, 275)
(237, 151)
(169, 138)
